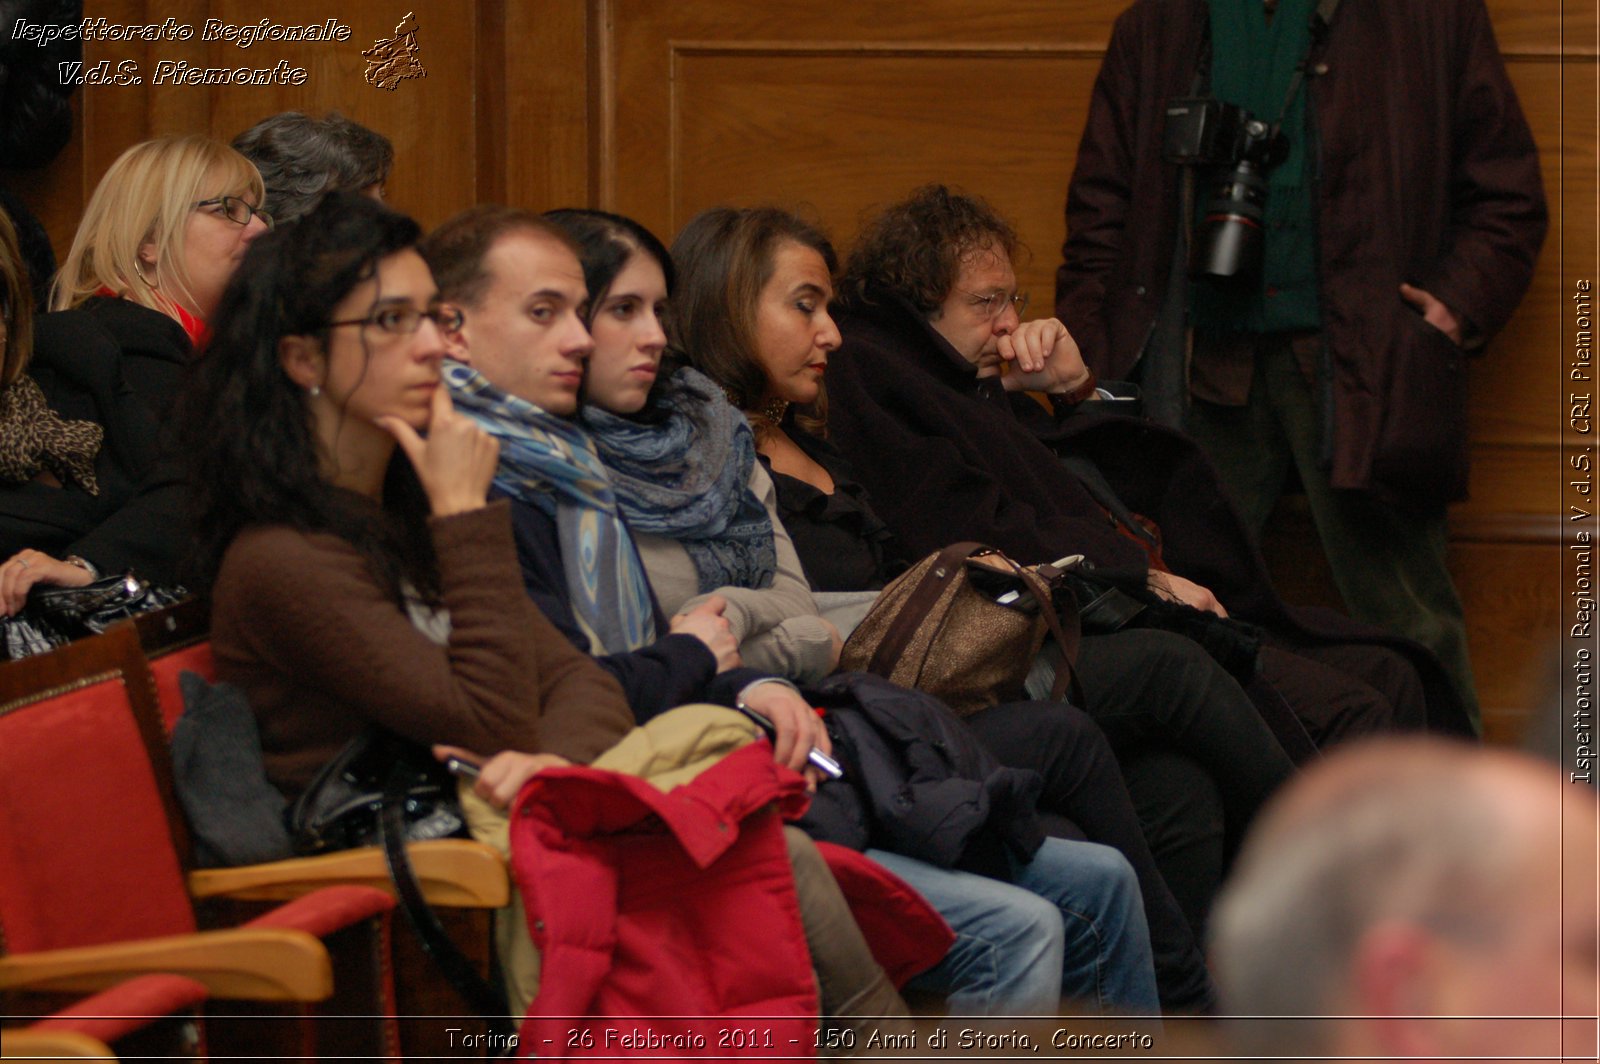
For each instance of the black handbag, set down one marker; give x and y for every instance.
(342, 807)
(1105, 605)
(55, 616)
(382, 790)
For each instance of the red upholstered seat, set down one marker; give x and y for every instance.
(92, 852)
(84, 827)
(165, 670)
(176, 641)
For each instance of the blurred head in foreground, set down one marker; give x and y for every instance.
(1429, 899)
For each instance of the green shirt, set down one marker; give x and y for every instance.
(1253, 63)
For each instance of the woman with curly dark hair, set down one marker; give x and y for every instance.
(358, 575)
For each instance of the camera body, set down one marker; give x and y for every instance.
(1239, 148)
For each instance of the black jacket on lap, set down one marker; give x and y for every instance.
(121, 366)
(918, 782)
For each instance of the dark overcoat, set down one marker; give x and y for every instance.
(121, 366)
(1425, 173)
(947, 458)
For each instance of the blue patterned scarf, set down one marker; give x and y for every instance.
(689, 479)
(550, 462)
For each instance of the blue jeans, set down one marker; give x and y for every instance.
(1071, 922)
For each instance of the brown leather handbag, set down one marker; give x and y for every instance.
(964, 631)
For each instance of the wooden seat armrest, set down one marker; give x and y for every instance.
(457, 873)
(251, 964)
(22, 1044)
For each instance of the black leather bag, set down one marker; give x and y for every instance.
(91, 609)
(342, 807)
(55, 616)
(382, 790)
(1106, 605)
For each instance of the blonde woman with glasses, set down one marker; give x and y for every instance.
(162, 234)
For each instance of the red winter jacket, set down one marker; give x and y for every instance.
(667, 923)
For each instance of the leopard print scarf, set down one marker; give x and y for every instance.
(34, 438)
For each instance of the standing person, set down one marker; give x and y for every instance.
(952, 450)
(521, 286)
(1426, 900)
(163, 233)
(1403, 216)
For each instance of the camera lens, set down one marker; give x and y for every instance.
(1229, 244)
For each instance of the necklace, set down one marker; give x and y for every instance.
(771, 412)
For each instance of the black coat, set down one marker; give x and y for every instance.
(1427, 173)
(947, 458)
(121, 366)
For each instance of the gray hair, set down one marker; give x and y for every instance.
(301, 159)
(1412, 830)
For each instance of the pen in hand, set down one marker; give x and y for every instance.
(818, 760)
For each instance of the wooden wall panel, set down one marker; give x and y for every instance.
(853, 130)
(502, 114)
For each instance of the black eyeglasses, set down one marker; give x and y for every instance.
(404, 320)
(236, 210)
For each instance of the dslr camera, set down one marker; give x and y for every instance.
(1237, 149)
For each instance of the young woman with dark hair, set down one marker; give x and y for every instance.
(358, 573)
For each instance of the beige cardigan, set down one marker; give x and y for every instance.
(778, 627)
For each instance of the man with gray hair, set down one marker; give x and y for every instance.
(1416, 899)
(302, 159)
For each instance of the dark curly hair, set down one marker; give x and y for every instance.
(725, 257)
(914, 248)
(246, 427)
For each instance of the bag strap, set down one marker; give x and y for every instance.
(1067, 636)
(484, 999)
(909, 617)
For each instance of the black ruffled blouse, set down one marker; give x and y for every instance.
(842, 544)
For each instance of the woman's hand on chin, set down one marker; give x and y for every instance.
(455, 463)
(29, 567)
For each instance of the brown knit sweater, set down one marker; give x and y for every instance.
(320, 650)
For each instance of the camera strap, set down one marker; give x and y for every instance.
(1321, 19)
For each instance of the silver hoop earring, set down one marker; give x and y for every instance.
(138, 268)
